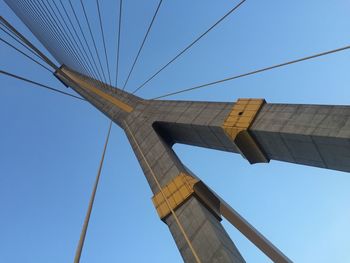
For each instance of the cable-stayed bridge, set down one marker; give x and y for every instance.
(313, 135)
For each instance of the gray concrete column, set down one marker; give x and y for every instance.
(208, 238)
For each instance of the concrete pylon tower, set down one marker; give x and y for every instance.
(151, 127)
(314, 135)
(305, 134)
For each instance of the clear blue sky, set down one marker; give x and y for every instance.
(50, 144)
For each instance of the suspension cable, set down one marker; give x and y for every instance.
(85, 41)
(93, 40)
(104, 82)
(40, 15)
(104, 42)
(24, 54)
(62, 33)
(18, 40)
(28, 17)
(189, 46)
(74, 42)
(44, 32)
(27, 42)
(91, 202)
(43, 13)
(143, 43)
(40, 84)
(118, 41)
(255, 72)
(80, 46)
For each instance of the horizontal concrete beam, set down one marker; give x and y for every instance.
(314, 135)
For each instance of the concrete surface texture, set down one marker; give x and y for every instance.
(313, 135)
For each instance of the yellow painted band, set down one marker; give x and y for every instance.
(111, 99)
(176, 192)
(236, 127)
(242, 116)
(83, 84)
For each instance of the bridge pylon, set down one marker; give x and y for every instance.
(315, 135)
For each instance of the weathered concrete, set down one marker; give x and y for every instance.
(144, 128)
(314, 135)
(304, 134)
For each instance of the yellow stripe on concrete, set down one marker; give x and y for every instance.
(176, 192)
(236, 127)
(87, 86)
(242, 116)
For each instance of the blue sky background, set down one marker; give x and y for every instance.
(50, 144)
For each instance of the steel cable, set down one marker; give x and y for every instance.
(91, 202)
(20, 42)
(118, 41)
(93, 40)
(42, 9)
(11, 29)
(189, 46)
(57, 24)
(104, 42)
(81, 46)
(142, 44)
(40, 84)
(74, 42)
(85, 40)
(56, 44)
(255, 71)
(24, 54)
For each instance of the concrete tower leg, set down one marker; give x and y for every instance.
(196, 229)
